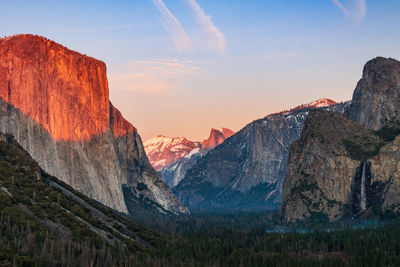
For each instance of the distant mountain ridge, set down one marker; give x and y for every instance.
(163, 151)
(248, 169)
(172, 156)
(320, 103)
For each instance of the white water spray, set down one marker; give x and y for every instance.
(363, 202)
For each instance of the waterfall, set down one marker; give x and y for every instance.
(363, 202)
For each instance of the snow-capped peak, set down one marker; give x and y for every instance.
(322, 102)
(163, 151)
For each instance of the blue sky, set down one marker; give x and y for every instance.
(216, 63)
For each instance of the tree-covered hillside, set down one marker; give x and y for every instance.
(44, 222)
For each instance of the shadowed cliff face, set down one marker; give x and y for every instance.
(322, 166)
(56, 104)
(247, 170)
(337, 158)
(376, 99)
(326, 167)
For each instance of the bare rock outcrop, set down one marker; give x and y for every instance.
(349, 167)
(324, 167)
(55, 102)
(246, 171)
(376, 99)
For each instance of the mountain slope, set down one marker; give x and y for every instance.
(55, 102)
(217, 137)
(247, 170)
(172, 157)
(344, 167)
(45, 221)
(322, 174)
(164, 151)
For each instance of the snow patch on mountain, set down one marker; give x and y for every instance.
(163, 151)
(172, 156)
(193, 152)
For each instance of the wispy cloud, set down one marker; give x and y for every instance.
(156, 76)
(354, 9)
(362, 8)
(214, 37)
(172, 25)
(341, 6)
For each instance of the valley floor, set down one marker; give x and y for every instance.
(246, 239)
(242, 239)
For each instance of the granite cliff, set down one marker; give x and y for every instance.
(376, 99)
(55, 103)
(247, 170)
(348, 166)
(217, 137)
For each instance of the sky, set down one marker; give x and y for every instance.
(182, 67)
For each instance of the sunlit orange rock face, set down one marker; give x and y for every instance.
(55, 103)
(121, 127)
(217, 136)
(66, 92)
